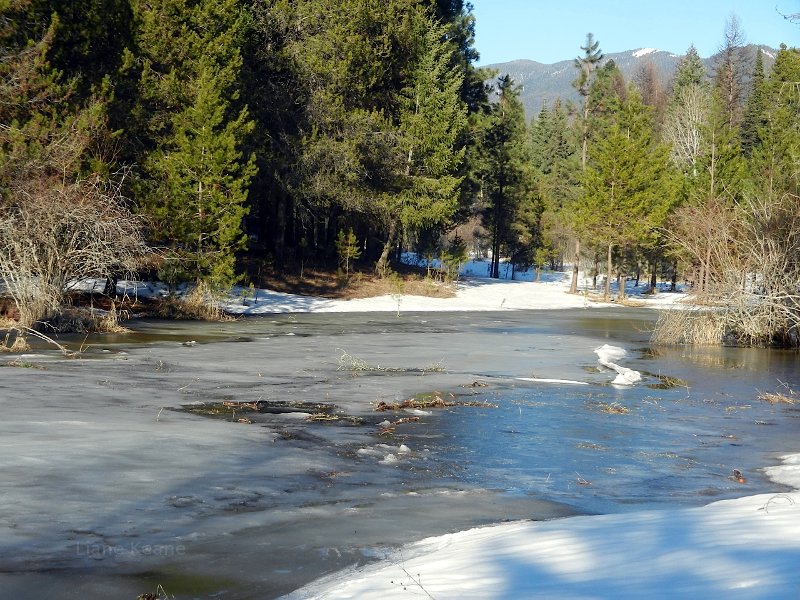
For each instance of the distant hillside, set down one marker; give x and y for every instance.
(544, 83)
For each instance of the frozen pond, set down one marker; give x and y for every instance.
(109, 489)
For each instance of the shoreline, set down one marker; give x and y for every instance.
(746, 547)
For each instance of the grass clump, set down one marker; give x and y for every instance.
(348, 362)
(429, 400)
(199, 304)
(611, 408)
(666, 382)
(785, 396)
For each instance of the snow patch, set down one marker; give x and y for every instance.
(548, 380)
(607, 356)
(644, 52)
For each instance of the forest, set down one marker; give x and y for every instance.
(218, 140)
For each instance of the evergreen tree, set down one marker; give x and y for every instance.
(196, 177)
(205, 179)
(755, 107)
(720, 166)
(775, 156)
(555, 162)
(89, 39)
(275, 97)
(627, 187)
(505, 161)
(586, 65)
(690, 71)
(432, 117)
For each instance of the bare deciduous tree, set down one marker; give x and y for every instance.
(683, 127)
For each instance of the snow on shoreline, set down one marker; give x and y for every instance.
(475, 293)
(743, 548)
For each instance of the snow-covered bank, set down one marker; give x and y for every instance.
(743, 548)
(472, 294)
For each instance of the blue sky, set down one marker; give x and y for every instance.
(552, 30)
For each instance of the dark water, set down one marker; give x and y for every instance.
(260, 516)
(669, 446)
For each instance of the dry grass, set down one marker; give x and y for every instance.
(329, 284)
(18, 344)
(612, 408)
(695, 327)
(198, 305)
(411, 286)
(109, 323)
(201, 303)
(348, 362)
(425, 401)
(786, 396)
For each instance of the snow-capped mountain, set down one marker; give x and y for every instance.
(544, 83)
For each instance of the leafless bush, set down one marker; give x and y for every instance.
(747, 272)
(686, 326)
(54, 234)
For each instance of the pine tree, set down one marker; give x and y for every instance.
(506, 181)
(586, 65)
(432, 117)
(720, 166)
(555, 161)
(775, 156)
(196, 177)
(690, 71)
(627, 186)
(205, 180)
(754, 108)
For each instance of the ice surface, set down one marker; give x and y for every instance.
(109, 490)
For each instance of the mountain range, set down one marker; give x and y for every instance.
(544, 83)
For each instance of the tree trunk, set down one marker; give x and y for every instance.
(675, 276)
(382, 266)
(653, 277)
(573, 286)
(279, 232)
(607, 291)
(498, 214)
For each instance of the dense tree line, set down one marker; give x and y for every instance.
(243, 134)
(251, 132)
(698, 182)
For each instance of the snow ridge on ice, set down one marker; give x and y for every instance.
(607, 356)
